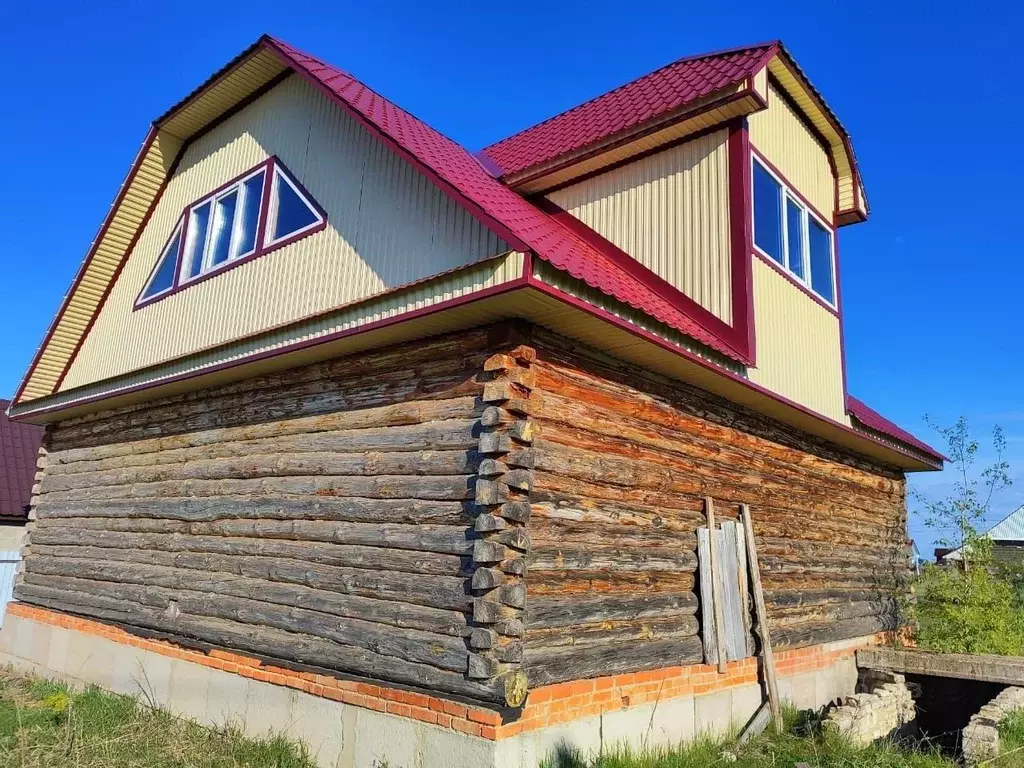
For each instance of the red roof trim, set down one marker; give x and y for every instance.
(19, 449)
(871, 419)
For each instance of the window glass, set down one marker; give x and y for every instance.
(196, 240)
(821, 261)
(163, 278)
(767, 213)
(293, 212)
(223, 223)
(795, 236)
(252, 196)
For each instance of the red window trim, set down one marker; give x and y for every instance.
(268, 166)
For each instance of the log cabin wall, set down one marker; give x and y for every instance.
(623, 463)
(323, 516)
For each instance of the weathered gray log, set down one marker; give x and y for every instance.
(433, 591)
(813, 633)
(640, 630)
(353, 556)
(383, 611)
(554, 665)
(582, 557)
(429, 487)
(543, 612)
(452, 435)
(290, 646)
(423, 538)
(417, 463)
(441, 651)
(356, 510)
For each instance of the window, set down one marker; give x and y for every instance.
(235, 223)
(791, 235)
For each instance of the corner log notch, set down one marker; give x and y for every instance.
(504, 483)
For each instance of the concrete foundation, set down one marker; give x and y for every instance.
(345, 735)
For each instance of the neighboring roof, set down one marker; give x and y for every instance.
(1010, 528)
(871, 419)
(19, 448)
(660, 92)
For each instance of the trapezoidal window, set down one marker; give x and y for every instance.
(263, 209)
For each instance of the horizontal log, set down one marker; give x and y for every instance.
(582, 510)
(267, 641)
(610, 535)
(449, 435)
(438, 488)
(442, 651)
(613, 632)
(547, 556)
(423, 538)
(827, 632)
(545, 666)
(548, 612)
(352, 556)
(408, 413)
(586, 582)
(354, 510)
(386, 612)
(433, 591)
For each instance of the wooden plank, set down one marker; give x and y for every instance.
(757, 724)
(716, 599)
(707, 618)
(728, 589)
(1006, 670)
(743, 575)
(762, 619)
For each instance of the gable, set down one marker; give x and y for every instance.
(387, 226)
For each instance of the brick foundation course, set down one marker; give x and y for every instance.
(546, 706)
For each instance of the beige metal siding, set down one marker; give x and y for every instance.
(781, 136)
(467, 280)
(799, 351)
(388, 226)
(669, 211)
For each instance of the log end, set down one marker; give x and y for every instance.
(516, 688)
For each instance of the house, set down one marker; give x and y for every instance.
(1007, 537)
(19, 447)
(409, 445)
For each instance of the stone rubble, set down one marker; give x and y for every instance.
(867, 717)
(981, 736)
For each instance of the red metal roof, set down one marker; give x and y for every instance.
(873, 420)
(630, 105)
(519, 221)
(19, 448)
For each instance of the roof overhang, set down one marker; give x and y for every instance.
(526, 298)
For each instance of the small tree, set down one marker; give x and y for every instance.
(976, 609)
(956, 515)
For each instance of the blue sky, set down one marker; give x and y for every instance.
(929, 92)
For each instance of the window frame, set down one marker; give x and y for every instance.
(788, 193)
(271, 168)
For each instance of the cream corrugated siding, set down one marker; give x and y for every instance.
(469, 279)
(669, 211)
(388, 226)
(799, 352)
(781, 136)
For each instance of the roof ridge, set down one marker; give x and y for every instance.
(675, 62)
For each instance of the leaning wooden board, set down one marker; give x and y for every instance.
(729, 590)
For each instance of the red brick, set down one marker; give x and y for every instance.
(424, 714)
(464, 726)
(397, 708)
(454, 709)
(485, 716)
(445, 721)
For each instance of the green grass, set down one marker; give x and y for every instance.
(1011, 740)
(767, 751)
(44, 724)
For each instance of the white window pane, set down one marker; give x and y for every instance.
(196, 240)
(795, 237)
(223, 220)
(767, 213)
(252, 194)
(293, 213)
(821, 261)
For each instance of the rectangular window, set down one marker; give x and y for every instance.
(195, 245)
(223, 224)
(252, 196)
(822, 263)
(790, 234)
(767, 213)
(795, 237)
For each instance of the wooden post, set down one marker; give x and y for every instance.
(762, 619)
(716, 599)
